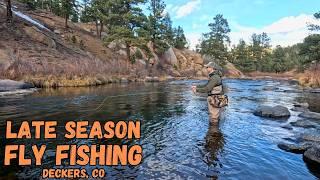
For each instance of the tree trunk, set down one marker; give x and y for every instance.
(9, 11)
(128, 55)
(101, 29)
(97, 27)
(66, 21)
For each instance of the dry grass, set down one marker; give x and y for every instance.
(311, 78)
(285, 75)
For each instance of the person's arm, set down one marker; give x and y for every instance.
(207, 88)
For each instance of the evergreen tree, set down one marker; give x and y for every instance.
(259, 49)
(168, 30)
(315, 27)
(180, 40)
(310, 49)
(215, 42)
(86, 13)
(68, 8)
(241, 57)
(157, 26)
(126, 20)
(280, 64)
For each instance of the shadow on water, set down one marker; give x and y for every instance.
(176, 138)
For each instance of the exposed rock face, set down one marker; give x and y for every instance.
(9, 85)
(312, 155)
(272, 112)
(34, 33)
(311, 115)
(232, 71)
(169, 57)
(189, 63)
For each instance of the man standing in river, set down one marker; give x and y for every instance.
(216, 100)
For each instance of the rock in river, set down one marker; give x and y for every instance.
(152, 79)
(304, 124)
(10, 85)
(312, 155)
(272, 112)
(298, 149)
(310, 115)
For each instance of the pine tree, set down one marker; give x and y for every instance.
(125, 21)
(168, 30)
(180, 40)
(68, 8)
(86, 13)
(259, 49)
(315, 27)
(215, 42)
(157, 25)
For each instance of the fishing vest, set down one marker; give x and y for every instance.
(218, 90)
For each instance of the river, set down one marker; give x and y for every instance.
(176, 138)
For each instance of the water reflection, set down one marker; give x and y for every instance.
(176, 139)
(214, 144)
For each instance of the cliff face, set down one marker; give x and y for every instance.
(38, 48)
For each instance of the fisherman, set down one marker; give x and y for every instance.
(214, 88)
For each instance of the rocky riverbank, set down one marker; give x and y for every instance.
(307, 142)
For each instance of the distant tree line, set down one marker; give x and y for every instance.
(120, 20)
(258, 55)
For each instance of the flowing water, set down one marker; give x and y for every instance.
(176, 138)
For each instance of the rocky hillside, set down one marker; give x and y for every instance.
(37, 48)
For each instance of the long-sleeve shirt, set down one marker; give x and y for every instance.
(214, 80)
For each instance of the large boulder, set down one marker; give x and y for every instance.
(10, 85)
(169, 57)
(312, 155)
(272, 112)
(232, 71)
(310, 115)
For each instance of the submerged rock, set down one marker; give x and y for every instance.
(10, 85)
(272, 112)
(312, 155)
(303, 105)
(293, 91)
(310, 115)
(304, 124)
(298, 149)
(287, 126)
